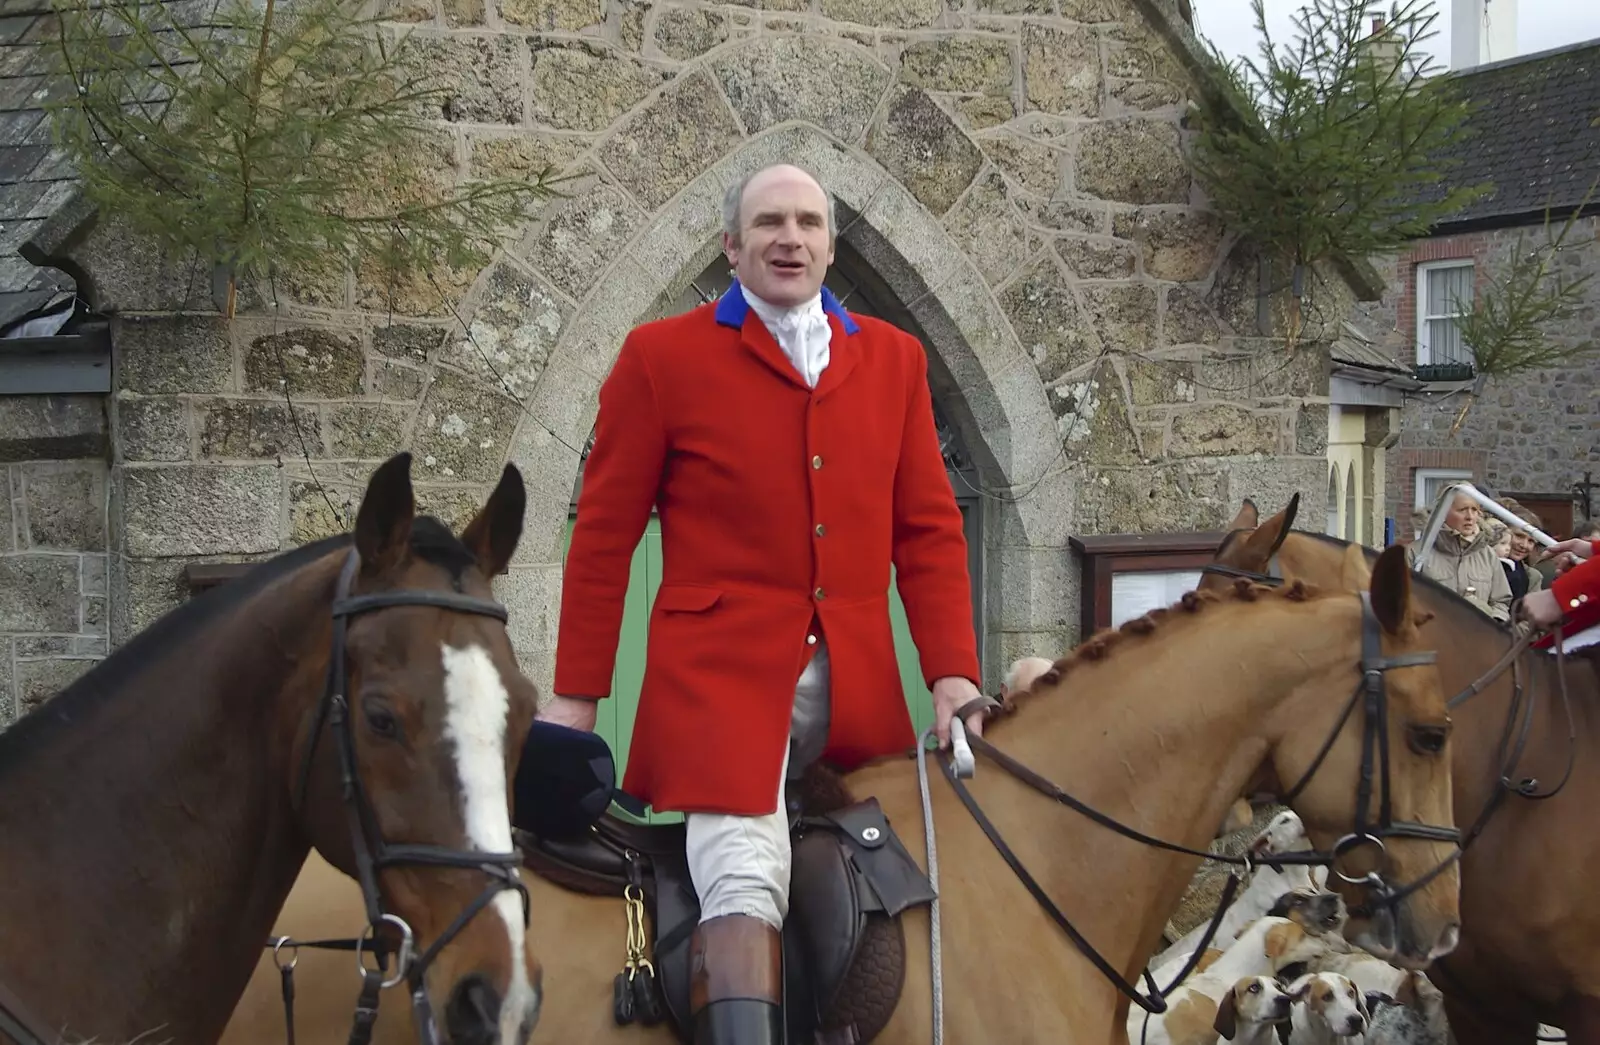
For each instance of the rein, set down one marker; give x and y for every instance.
(1370, 692)
(372, 852)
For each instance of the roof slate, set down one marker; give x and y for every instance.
(1535, 134)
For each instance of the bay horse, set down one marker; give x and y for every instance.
(1530, 938)
(1157, 725)
(354, 696)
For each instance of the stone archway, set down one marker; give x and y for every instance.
(992, 390)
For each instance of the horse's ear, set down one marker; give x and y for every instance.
(1248, 516)
(1268, 537)
(1391, 590)
(1227, 1021)
(493, 533)
(383, 524)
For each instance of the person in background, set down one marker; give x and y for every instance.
(1462, 557)
(1500, 539)
(1522, 578)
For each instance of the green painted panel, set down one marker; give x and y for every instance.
(615, 719)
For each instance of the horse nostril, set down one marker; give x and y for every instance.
(472, 1016)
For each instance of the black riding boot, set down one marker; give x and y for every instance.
(736, 982)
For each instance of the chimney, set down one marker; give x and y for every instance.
(1482, 31)
(1377, 24)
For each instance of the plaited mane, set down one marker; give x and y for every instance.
(1100, 645)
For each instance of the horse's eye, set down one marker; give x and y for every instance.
(382, 722)
(1255, 988)
(1427, 740)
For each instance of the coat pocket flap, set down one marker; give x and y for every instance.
(687, 598)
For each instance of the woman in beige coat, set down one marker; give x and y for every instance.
(1463, 558)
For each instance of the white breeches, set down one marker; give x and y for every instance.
(740, 864)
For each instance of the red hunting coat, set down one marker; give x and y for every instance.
(1578, 592)
(781, 509)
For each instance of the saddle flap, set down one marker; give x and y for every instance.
(826, 910)
(883, 861)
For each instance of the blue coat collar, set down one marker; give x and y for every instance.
(732, 308)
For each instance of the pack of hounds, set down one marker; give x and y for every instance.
(1279, 971)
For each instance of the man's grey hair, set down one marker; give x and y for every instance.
(734, 197)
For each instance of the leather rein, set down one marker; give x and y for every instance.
(372, 852)
(1371, 694)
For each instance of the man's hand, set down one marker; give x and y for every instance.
(575, 712)
(1542, 607)
(949, 694)
(1568, 553)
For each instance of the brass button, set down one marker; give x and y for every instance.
(811, 640)
(1573, 604)
(822, 531)
(820, 594)
(816, 462)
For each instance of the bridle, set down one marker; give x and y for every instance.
(1371, 694)
(372, 852)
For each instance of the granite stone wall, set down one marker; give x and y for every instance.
(1533, 433)
(1011, 170)
(53, 613)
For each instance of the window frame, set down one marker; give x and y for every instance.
(1420, 477)
(1423, 314)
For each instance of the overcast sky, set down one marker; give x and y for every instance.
(1541, 24)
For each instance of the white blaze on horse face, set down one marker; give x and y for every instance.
(477, 705)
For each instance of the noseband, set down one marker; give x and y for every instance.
(1371, 693)
(372, 852)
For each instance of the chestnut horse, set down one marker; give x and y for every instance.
(1530, 946)
(352, 695)
(1158, 725)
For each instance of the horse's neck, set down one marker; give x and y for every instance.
(154, 832)
(1163, 739)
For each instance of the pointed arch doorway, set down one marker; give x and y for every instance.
(853, 282)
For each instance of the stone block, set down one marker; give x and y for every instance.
(1177, 245)
(391, 380)
(516, 325)
(1045, 517)
(1132, 161)
(366, 431)
(413, 343)
(964, 64)
(675, 238)
(1223, 430)
(1061, 69)
(549, 470)
(1124, 314)
(1311, 430)
(463, 430)
(65, 506)
(455, 506)
(548, 15)
(8, 712)
(665, 145)
(918, 143)
(321, 509)
(132, 274)
(1167, 498)
(142, 592)
(200, 510)
(1063, 215)
(93, 573)
(1097, 257)
(1271, 481)
(461, 13)
(1011, 646)
(1035, 589)
(1034, 166)
(686, 33)
(989, 230)
(777, 79)
(152, 429)
(305, 361)
(898, 14)
(52, 427)
(584, 239)
(1188, 319)
(1053, 329)
(171, 354)
(586, 87)
(39, 592)
(39, 680)
(904, 244)
(479, 76)
(986, 111)
(1093, 418)
(565, 403)
(1160, 382)
(241, 428)
(532, 594)
(520, 155)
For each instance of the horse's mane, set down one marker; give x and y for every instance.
(430, 540)
(1099, 646)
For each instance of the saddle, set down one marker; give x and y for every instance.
(843, 942)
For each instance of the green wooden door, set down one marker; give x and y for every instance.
(615, 718)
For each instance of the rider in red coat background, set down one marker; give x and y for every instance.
(789, 451)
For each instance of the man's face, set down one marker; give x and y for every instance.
(784, 245)
(1521, 545)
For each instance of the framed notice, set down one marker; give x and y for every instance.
(1126, 575)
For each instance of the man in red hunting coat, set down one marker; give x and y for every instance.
(789, 451)
(1572, 599)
